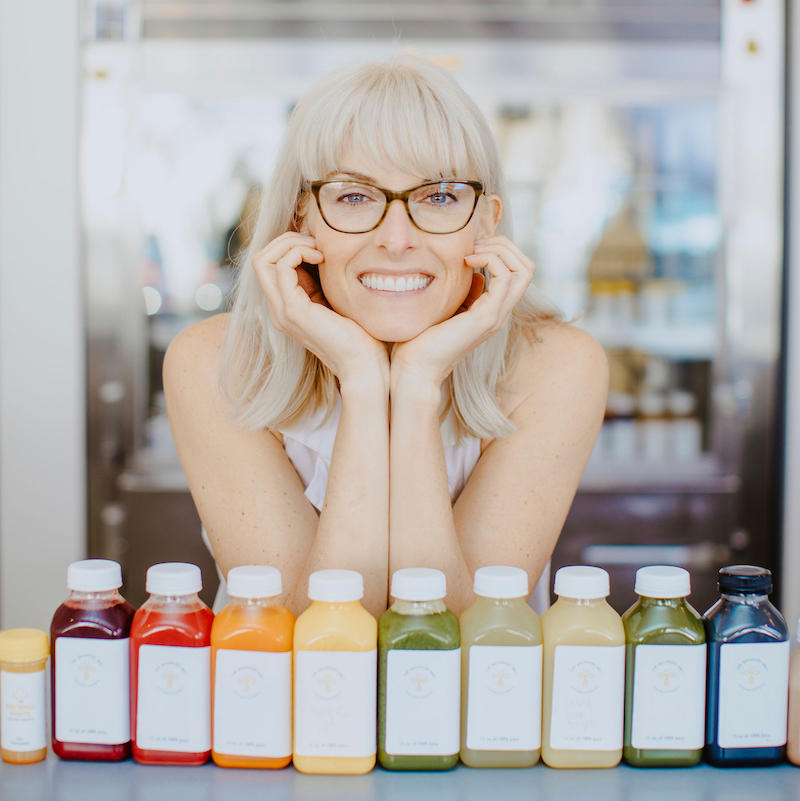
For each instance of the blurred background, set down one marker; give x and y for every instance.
(647, 146)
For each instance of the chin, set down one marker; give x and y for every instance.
(393, 331)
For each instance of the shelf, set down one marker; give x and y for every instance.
(681, 342)
(701, 475)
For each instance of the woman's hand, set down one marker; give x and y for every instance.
(298, 309)
(430, 357)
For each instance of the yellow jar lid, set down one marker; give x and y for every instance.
(23, 645)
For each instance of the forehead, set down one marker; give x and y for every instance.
(361, 166)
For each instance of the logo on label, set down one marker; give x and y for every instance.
(170, 678)
(86, 670)
(500, 678)
(420, 681)
(752, 674)
(585, 677)
(328, 683)
(20, 695)
(247, 682)
(666, 677)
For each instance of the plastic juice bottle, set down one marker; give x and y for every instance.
(90, 670)
(335, 677)
(793, 742)
(419, 675)
(584, 673)
(251, 673)
(665, 672)
(501, 673)
(748, 671)
(23, 715)
(170, 669)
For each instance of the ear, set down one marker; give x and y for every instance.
(490, 218)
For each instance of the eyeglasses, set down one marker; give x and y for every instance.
(440, 207)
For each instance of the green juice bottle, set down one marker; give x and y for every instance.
(665, 672)
(419, 675)
(501, 673)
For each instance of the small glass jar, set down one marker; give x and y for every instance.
(23, 726)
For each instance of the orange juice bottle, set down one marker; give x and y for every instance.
(251, 673)
(335, 677)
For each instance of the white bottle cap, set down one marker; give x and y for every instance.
(662, 581)
(173, 578)
(94, 575)
(335, 586)
(582, 581)
(254, 581)
(418, 584)
(500, 582)
(682, 403)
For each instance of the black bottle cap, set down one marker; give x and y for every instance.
(745, 580)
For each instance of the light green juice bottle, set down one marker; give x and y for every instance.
(501, 673)
(665, 672)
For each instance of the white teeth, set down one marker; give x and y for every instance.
(400, 284)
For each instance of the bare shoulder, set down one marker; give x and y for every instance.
(558, 362)
(199, 345)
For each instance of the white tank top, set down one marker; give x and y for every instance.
(310, 448)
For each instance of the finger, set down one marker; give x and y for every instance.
(514, 248)
(286, 268)
(311, 287)
(514, 259)
(279, 247)
(475, 291)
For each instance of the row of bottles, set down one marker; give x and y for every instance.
(335, 690)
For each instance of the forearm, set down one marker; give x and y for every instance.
(353, 527)
(421, 528)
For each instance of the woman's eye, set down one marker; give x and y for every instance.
(440, 198)
(354, 199)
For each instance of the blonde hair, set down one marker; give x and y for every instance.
(413, 115)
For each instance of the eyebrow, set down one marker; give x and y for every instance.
(368, 180)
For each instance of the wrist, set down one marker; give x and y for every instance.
(368, 385)
(419, 390)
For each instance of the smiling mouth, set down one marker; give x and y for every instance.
(403, 283)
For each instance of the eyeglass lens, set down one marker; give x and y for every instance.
(439, 208)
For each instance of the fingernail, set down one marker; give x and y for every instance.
(479, 241)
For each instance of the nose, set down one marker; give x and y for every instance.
(396, 233)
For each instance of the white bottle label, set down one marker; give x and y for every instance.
(253, 703)
(92, 695)
(173, 709)
(335, 703)
(588, 698)
(753, 695)
(423, 702)
(23, 719)
(504, 698)
(669, 697)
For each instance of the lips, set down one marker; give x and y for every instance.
(399, 283)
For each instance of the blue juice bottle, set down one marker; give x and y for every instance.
(748, 671)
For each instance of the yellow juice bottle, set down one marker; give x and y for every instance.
(335, 678)
(251, 673)
(584, 673)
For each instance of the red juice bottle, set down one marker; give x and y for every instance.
(171, 669)
(90, 665)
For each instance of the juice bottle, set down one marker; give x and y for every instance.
(335, 676)
(748, 671)
(419, 675)
(170, 669)
(665, 672)
(23, 714)
(584, 673)
(251, 673)
(501, 673)
(793, 743)
(90, 670)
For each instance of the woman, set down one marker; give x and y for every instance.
(389, 390)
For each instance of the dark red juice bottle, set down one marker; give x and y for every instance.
(171, 669)
(90, 665)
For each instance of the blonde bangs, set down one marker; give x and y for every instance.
(390, 115)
